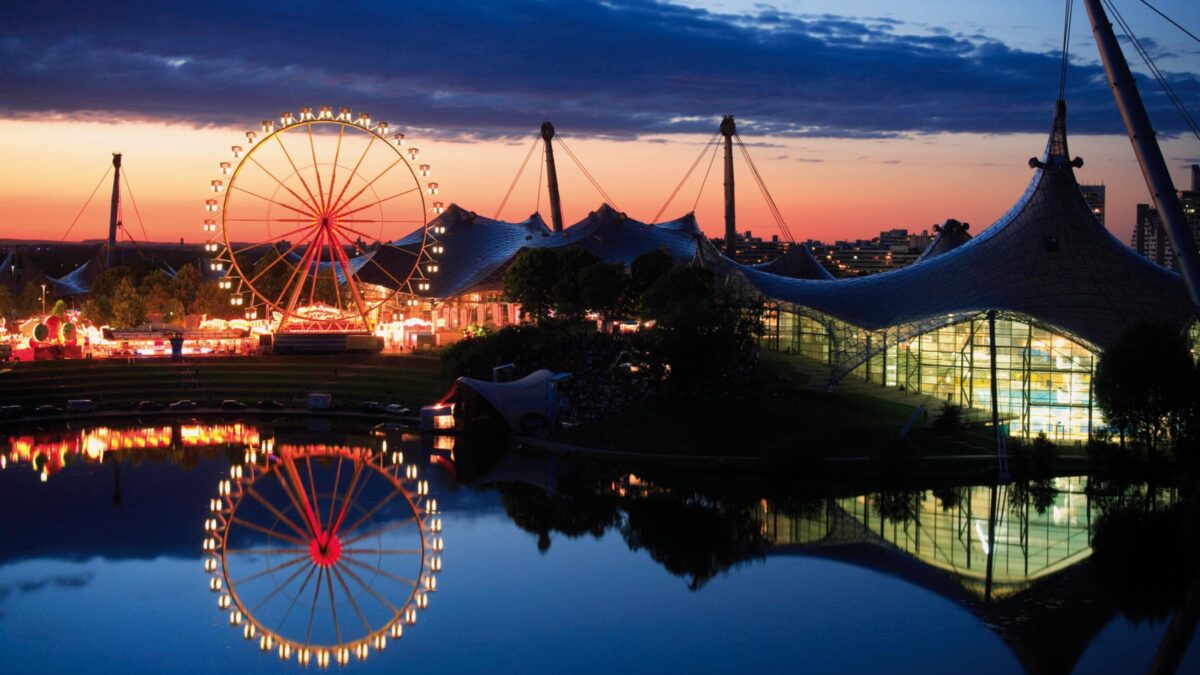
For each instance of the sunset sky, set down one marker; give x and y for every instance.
(862, 116)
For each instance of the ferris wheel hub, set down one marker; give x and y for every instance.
(326, 555)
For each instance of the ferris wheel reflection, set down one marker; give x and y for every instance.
(321, 551)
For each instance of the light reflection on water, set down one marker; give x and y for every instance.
(553, 565)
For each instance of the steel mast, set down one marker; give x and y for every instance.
(1149, 155)
(112, 213)
(728, 129)
(552, 177)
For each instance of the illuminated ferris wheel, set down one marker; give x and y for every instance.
(323, 552)
(302, 223)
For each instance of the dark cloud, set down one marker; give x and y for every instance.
(489, 70)
(60, 580)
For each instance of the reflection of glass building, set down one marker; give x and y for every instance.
(1036, 531)
(1060, 287)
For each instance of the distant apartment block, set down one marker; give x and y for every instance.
(1149, 238)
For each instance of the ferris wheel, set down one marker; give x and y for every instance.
(301, 222)
(323, 552)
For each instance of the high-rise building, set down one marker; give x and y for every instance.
(1094, 196)
(1149, 237)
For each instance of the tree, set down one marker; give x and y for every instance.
(29, 302)
(645, 270)
(156, 293)
(6, 300)
(603, 287)
(705, 334)
(128, 309)
(210, 301)
(530, 279)
(1147, 385)
(185, 284)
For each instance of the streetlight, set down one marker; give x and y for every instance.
(43, 300)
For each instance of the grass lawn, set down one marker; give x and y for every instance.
(112, 383)
(774, 413)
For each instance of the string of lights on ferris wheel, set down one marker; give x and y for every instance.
(326, 217)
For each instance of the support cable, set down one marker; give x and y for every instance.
(516, 178)
(712, 160)
(685, 177)
(1171, 21)
(1066, 44)
(85, 205)
(132, 200)
(586, 173)
(538, 186)
(762, 186)
(1154, 71)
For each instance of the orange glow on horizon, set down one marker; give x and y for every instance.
(827, 189)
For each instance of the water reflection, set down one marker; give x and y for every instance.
(1044, 565)
(296, 521)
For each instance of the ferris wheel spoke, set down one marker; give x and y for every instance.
(275, 512)
(348, 202)
(352, 496)
(272, 240)
(263, 551)
(295, 598)
(276, 261)
(386, 528)
(270, 220)
(296, 504)
(312, 484)
(316, 167)
(377, 220)
(305, 264)
(316, 272)
(287, 582)
(258, 575)
(353, 172)
(312, 613)
(337, 153)
(303, 212)
(337, 628)
(270, 533)
(346, 499)
(340, 226)
(333, 495)
(351, 278)
(381, 572)
(382, 551)
(375, 594)
(293, 475)
(399, 284)
(296, 171)
(374, 203)
(374, 509)
(353, 603)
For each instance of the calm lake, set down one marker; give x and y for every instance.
(251, 547)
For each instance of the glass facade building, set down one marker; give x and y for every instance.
(1043, 378)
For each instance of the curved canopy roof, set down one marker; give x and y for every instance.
(1048, 258)
(950, 235)
(616, 238)
(76, 282)
(796, 263)
(473, 248)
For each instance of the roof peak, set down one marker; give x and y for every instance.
(1057, 156)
